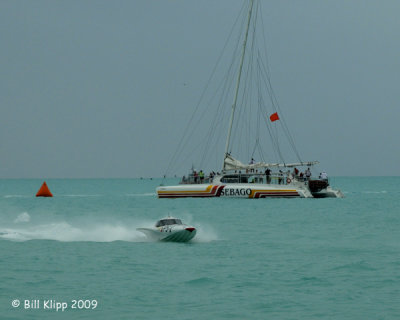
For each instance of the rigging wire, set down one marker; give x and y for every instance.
(243, 120)
(267, 80)
(227, 87)
(271, 129)
(273, 96)
(256, 73)
(182, 143)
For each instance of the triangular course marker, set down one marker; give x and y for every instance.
(44, 191)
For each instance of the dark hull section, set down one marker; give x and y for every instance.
(320, 195)
(316, 186)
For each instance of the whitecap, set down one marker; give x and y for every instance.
(23, 217)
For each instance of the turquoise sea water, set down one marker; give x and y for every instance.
(252, 259)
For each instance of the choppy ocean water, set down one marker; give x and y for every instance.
(252, 259)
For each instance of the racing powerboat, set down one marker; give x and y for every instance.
(170, 229)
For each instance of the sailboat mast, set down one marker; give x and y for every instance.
(228, 138)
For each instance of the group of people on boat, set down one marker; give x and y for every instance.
(279, 177)
(198, 177)
(255, 176)
(287, 177)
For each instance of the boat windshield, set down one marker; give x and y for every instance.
(167, 222)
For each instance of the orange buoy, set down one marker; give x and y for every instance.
(44, 191)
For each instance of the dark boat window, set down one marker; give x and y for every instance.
(167, 222)
(160, 223)
(233, 178)
(243, 179)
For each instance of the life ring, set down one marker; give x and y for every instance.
(288, 180)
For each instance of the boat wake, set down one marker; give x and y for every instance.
(8, 196)
(82, 195)
(63, 231)
(375, 192)
(205, 234)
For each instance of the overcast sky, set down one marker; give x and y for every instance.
(104, 88)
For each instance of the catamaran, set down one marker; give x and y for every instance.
(257, 179)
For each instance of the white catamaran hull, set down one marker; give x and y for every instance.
(251, 191)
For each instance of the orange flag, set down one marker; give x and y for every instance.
(273, 117)
(44, 191)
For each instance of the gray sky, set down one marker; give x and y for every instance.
(105, 88)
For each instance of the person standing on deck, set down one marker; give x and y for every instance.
(268, 174)
(323, 175)
(308, 174)
(251, 162)
(201, 175)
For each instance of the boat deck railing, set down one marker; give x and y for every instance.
(259, 178)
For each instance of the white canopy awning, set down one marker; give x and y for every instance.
(231, 163)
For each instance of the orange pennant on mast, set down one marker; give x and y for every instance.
(44, 191)
(273, 117)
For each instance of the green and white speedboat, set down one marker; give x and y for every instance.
(169, 229)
